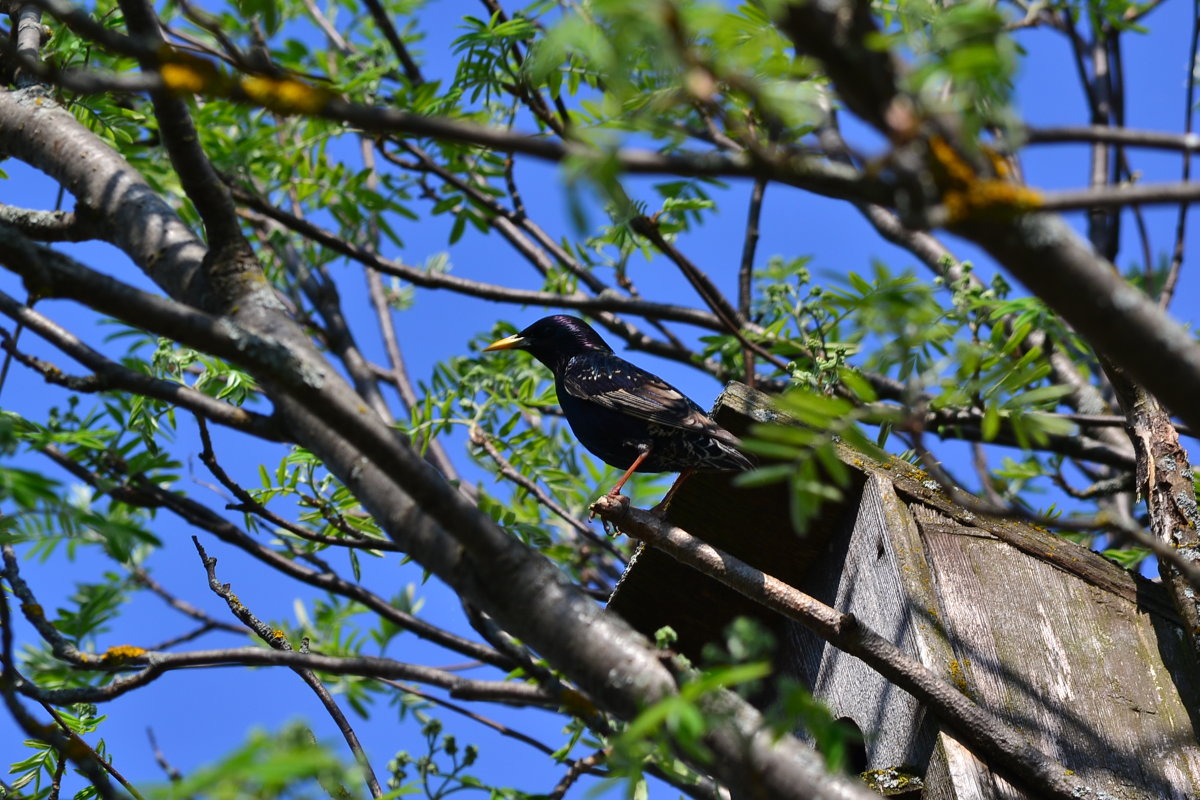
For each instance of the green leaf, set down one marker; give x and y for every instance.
(990, 425)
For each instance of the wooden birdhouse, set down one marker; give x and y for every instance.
(1087, 659)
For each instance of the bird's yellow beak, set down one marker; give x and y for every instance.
(516, 340)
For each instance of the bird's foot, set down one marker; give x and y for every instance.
(614, 495)
(622, 507)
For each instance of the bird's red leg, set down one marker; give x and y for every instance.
(637, 462)
(661, 509)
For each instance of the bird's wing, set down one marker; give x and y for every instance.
(613, 383)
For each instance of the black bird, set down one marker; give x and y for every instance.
(623, 415)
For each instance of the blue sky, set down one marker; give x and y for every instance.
(199, 715)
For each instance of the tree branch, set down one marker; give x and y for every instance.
(278, 641)
(1156, 140)
(1116, 319)
(133, 216)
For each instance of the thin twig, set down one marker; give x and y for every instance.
(78, 741)
(247, 504)
(380, 15)
(172, 773)
(478, 437)
(183, 638)
(746, 268)
(579, 766)
(277, 640)
(498, 727)
(1154, 140)
(143, 578)
(398, 374)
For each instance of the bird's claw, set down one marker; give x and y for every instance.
(621, 500)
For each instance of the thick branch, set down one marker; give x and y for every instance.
(132, 215)
(843, 35)
(50, 226)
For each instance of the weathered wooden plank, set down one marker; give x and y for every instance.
(861, 575)
(1080, 668)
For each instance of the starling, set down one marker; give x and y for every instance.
(623, 415)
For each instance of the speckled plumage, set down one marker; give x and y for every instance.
(618, 411)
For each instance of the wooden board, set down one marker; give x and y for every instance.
(1081, 668)
(861, 574)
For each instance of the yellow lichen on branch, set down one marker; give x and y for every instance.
(990, 198)
(285, 95)
(187, 75)
(184, 74)
(121, 653)
(968, 196)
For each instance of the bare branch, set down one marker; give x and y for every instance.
(579, 766)
(143, 578)
(1118, 196)
(1154, 140)
(155, 664)
(28, 40)
(438, 280)
(277, 640)
(502, 729)
(172, 773)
